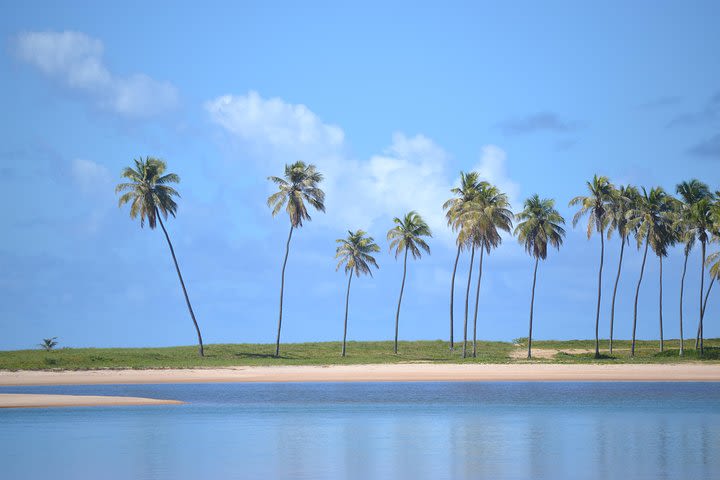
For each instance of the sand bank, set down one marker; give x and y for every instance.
(31, 400)
(415, 372)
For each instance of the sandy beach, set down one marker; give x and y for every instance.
(31, 400)
(376, 373)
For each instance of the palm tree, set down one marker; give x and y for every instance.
(713, 263)
(151, 199)
(651, 219)
(488, 212)
(690, 193)
(621, 202)
(596, 205)
(406, 236)
(355, 252)
(299, 185)
(539, 225)
(455, 206)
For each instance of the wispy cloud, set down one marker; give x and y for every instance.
(709, 113)
(707, 148)
(76, 59)
(537, 122)
(411, 173)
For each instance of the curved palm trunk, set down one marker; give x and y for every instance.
(617, 280)
(282, 289)
(182, 284)
(637, 294)
(347, 302)
(532, 306)
(702, 317)
(477, 299)
(662, 343)
(402, 287)
(682, 287)
(702, 287)
(452, 299)
(467, 299)
(597, 314)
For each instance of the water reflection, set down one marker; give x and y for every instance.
(376, 431)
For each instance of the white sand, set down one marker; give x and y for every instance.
(376, 373)
(29, 400)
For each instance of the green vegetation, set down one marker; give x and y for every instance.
(326, 353)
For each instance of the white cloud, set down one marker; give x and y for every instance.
(76, 60)
(492, 167)
(410, 174)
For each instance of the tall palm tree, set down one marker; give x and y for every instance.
(355, 252)
(701, 222)
(299, 185)
(622, 201)
(713, 263)
(454, 207)
(486, 214)
(540, 224)
(596, 205)
(652, 221)
(151, 199)
(690, 192)
(406, 236)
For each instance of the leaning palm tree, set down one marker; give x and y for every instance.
(455, 206)
(713, 264)
(299, 185)
(651, 220)
(407, 235)
(151, 199)
(622, 201)
(486, 214)
(596, 205)
(355, 252)
(540, 224)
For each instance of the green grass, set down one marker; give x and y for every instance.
(328, 353)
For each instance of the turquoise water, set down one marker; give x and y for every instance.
(372, 430)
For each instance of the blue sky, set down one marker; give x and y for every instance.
(390, 102)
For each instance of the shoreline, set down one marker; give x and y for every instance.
(32, 400)
(398, 372)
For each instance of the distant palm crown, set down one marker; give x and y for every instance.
(540, 224)
(597, 204)
(148, 192)
(299, 185)
(408, 233)
(482, 217)
(355, 252)
(653, 218)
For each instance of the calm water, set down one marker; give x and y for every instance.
(372, 430)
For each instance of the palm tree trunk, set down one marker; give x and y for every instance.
(637, 294)
(477, 298)
(662, 345)
(182, 284)
(467, 299)
(597, 314)
(704, 309)
(617, 280)
(698, 339)
(452, 299)
(682, 287)
(402, 287)
(347, 302)
(532, 306)
(282, 289)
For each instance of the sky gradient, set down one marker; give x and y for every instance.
(391, 103)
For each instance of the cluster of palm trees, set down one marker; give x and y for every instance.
(478, 213)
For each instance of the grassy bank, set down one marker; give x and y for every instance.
(328, 353)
